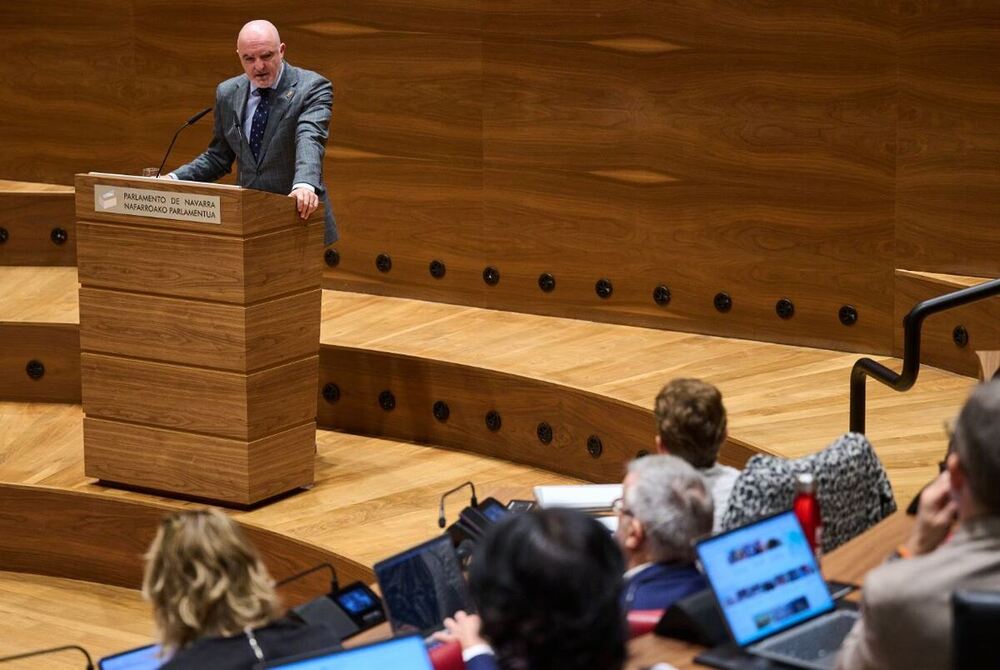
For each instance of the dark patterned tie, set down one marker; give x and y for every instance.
(259, 120)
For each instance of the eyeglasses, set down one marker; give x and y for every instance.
(618, 507)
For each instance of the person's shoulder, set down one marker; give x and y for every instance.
(230, 85)
(307, 77)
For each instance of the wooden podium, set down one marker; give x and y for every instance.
(199, 336)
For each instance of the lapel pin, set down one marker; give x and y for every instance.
(288, 96)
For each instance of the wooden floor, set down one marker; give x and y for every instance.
(38, 612)
(372, 497)
(781, 399)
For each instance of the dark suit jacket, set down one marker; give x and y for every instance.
(294, 138)
(660, 585)
(280, 639)
(482, 662)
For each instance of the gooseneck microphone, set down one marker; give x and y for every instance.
(315, 568)
(442, 522)
(190, 122)
(53, 650)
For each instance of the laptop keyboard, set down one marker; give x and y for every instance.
(813, 640)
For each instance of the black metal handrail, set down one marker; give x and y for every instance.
(912, 324)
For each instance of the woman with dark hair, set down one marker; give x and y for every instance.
(547, 584)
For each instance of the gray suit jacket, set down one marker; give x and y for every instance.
(906, 610)
(294, 138)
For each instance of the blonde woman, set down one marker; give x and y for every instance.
(213, 600)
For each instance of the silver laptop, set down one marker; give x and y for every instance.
(772, 595)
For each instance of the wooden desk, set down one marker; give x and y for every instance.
(848, 563)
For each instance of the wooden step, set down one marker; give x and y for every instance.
(372, 498)
(781, 399)
(39, 328)
(951, 339)
(582, 379)
(37, 224)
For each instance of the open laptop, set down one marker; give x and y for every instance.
(405, 653)
(140, 658)
(772, 595)
(423, 585)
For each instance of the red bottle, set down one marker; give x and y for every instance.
(806, 508)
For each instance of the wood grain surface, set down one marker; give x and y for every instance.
(947, 182)
(212, 402)
(981, 321)
(201, 266)
(31, 219)
(199, 466)
(55, 346)
(372, 497)
(201, 334)
(770, 151)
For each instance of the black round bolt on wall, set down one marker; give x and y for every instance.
(383, 262)
(4, 235)
(35, 369)
(387, 401)
(848, 315)
(331, 257)
(960, 336)
(594, 446)
(544, 433)
(331, 393)
(491, 276)
(441, 411)
(722, 302)
(546, 282)
(784, 308)
(437, 269)
(661, 295)
(59, 236)
(493, 421)
(604, 288)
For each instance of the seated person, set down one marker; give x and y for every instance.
(906, 617)
(691, 424)
(665, 507)
(213, 601)
(547, 585)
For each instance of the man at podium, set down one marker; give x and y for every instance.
(273, 121)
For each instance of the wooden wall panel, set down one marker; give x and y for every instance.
(948, 183)
(31, 220)
(56, 346)
(70, 79)
(416, 384)
(710, 146)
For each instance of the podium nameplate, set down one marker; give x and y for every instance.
(129, 201)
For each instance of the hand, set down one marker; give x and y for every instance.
(935, 516)
(464, 628)
(306, 202)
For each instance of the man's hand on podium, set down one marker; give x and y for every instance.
(306, 201)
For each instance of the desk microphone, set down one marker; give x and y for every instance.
(299, 575)
(442, 522)
(190, 122)
(53, 650)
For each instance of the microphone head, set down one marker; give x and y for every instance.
(197, 116)
(441, 522)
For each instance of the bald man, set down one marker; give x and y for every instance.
(273, 120)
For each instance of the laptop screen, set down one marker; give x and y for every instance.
(142, 658)
(765, 577)
(406, 652)
(422, 586)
